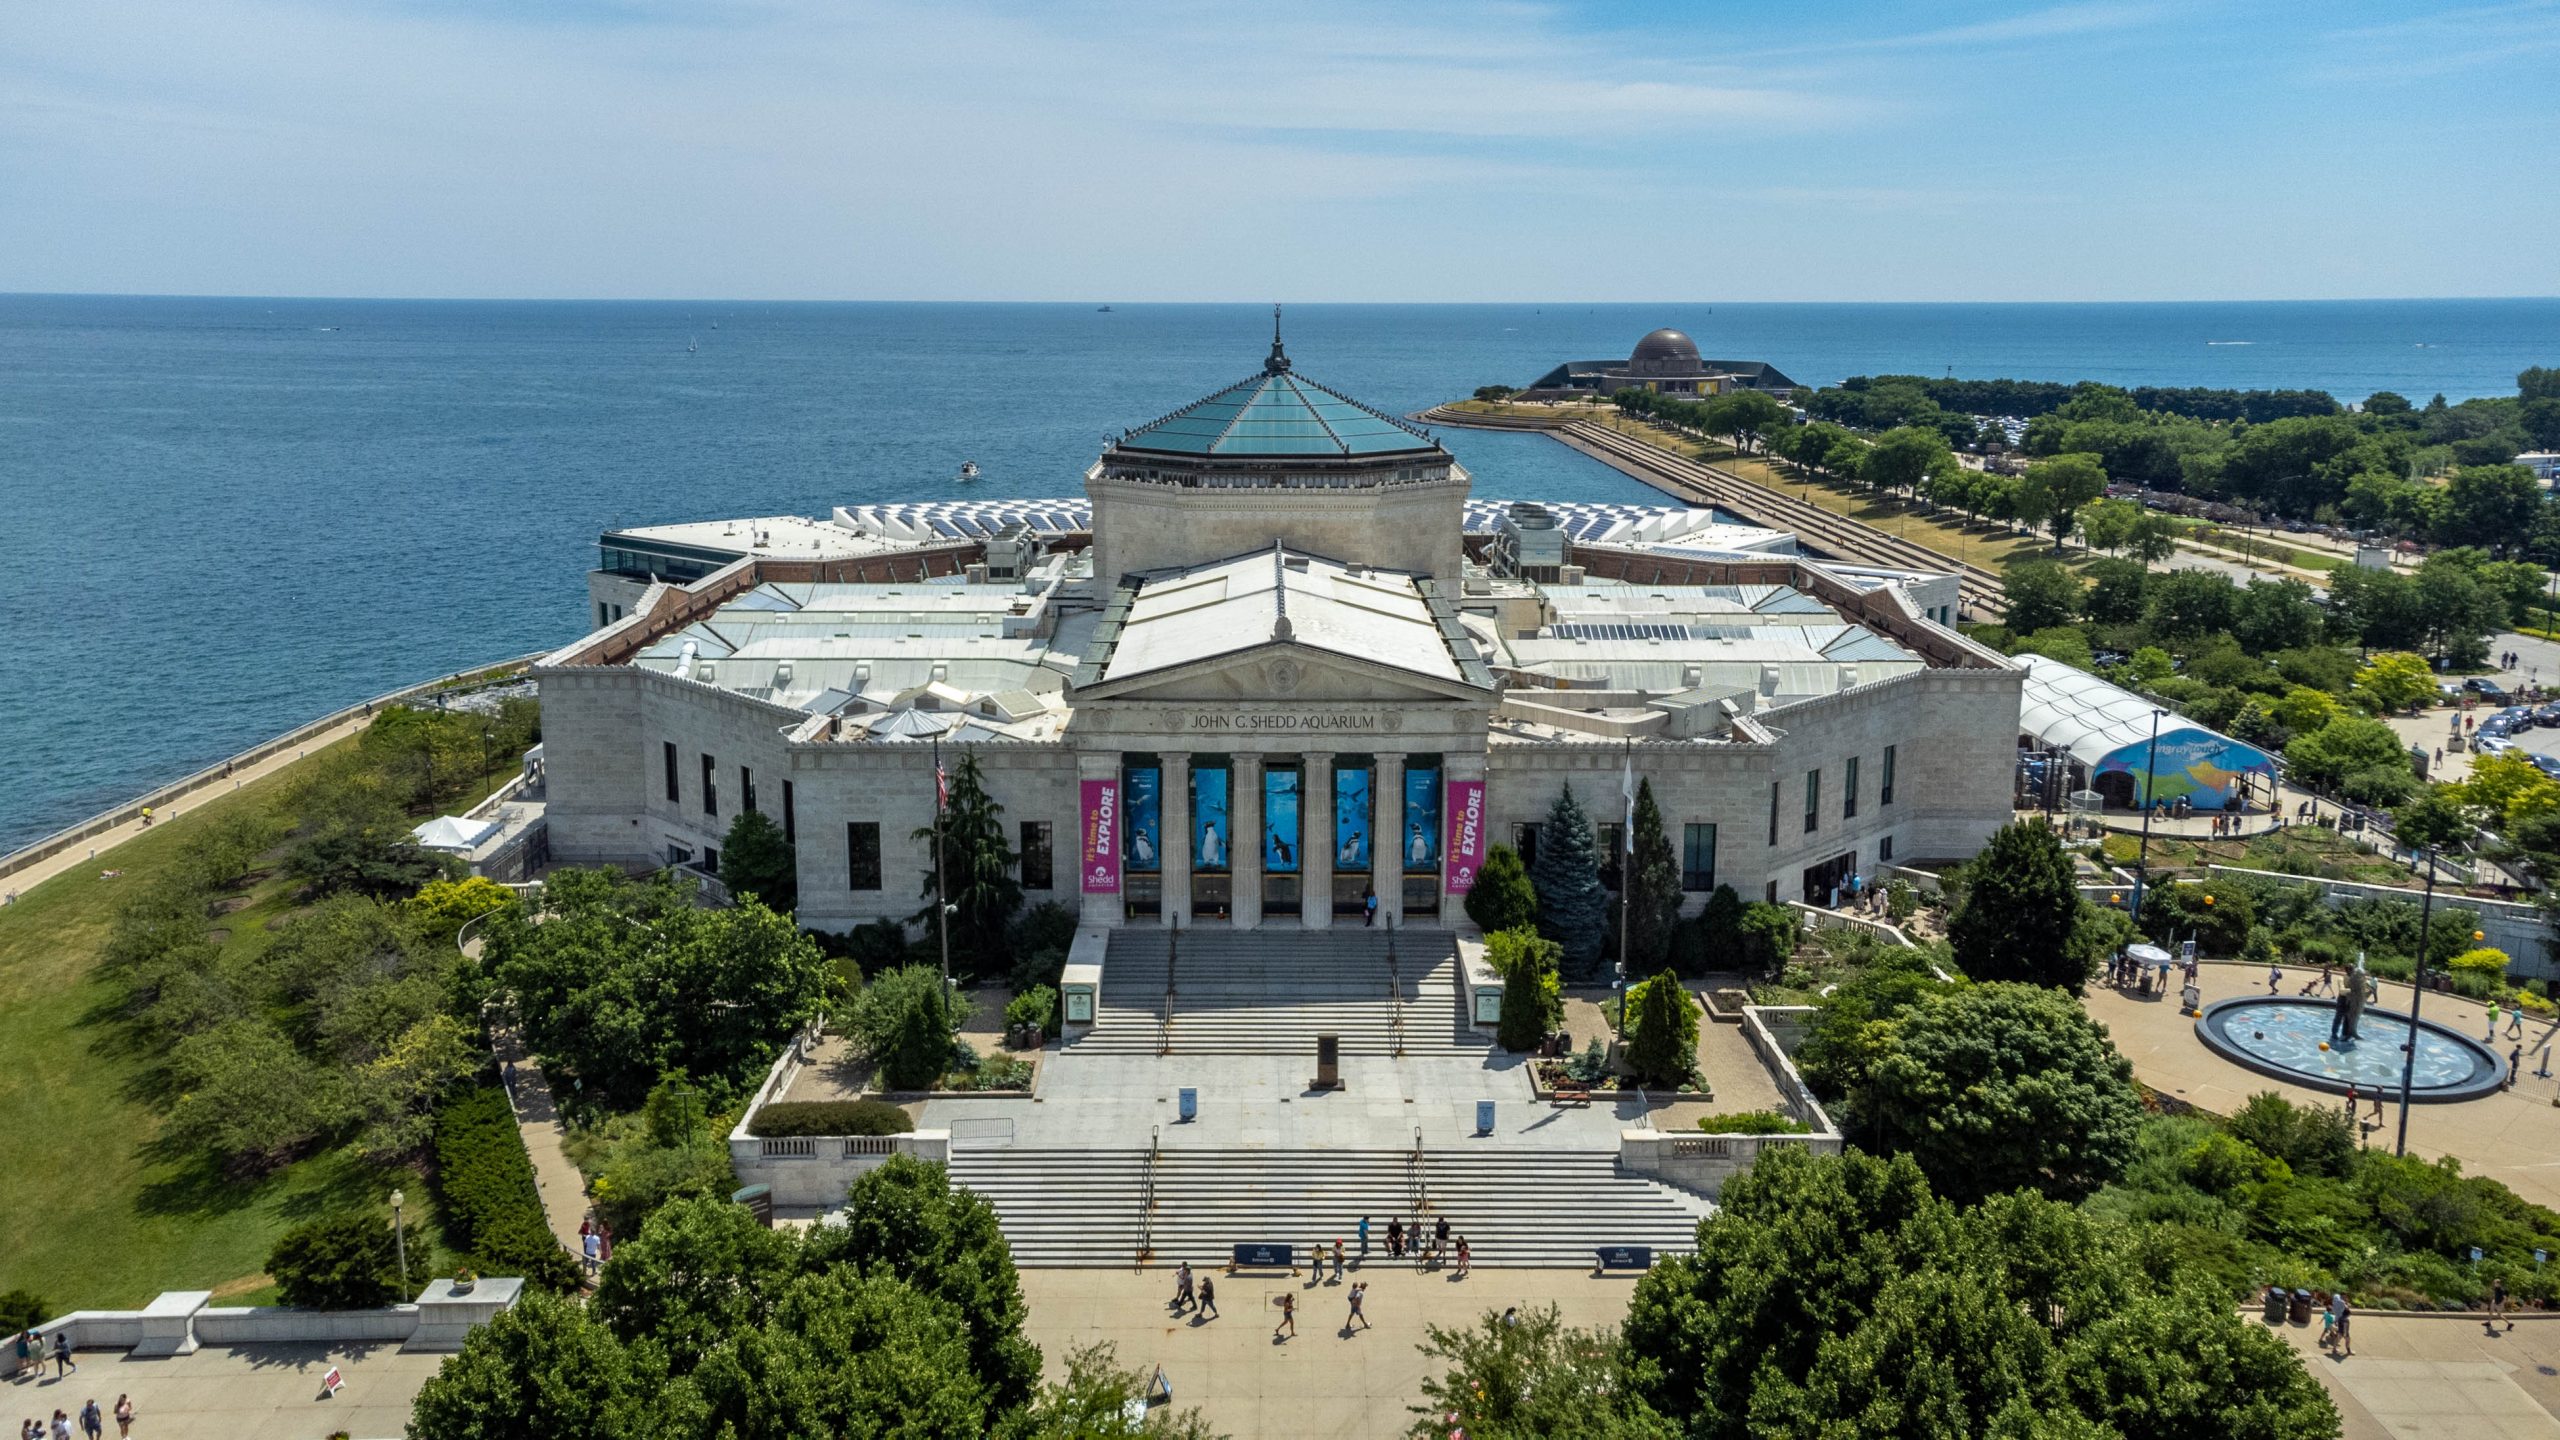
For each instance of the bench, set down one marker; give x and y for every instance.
(1570, 1093)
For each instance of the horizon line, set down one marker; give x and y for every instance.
(1088, 300)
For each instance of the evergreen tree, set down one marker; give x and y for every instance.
(755, 860)
(1532, 997)
(1720, 930)
(1573, 910)
(986, 887)
(1662, 1030)
(1653, 910)
(2020, 908)
(1502, 898)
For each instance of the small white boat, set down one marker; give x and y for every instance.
(690, 347)
(968, 469)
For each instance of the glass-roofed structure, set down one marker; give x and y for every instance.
(2107, 732)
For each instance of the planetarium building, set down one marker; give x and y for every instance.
(1274, 661)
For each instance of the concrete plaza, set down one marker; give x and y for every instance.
(272, 1392)
(2417, 1377)
(2513, 1136)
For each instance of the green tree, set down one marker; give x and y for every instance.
(2152, 539)
(1720, 930)
(544, 1366)
(1503, 898)
(2021, 902)
(2272, 615)
(2396, 681)
(1662, 1030)
(1529, 1378)
(986, 885)
(2115, 594)
(1532, 992)
(2041, 595)
(1653, 906)
(905, 1022)
(755, 860)
(1093, 1403)
(347, 1261)
(2108, 524)
(2491, 506)
(1573, 909)
(2053, 492)
(2433, 821)
(2190, 603)
(2003, 1087)
(1904, 457)
(2345, 746)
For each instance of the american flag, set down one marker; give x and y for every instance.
(941, 787)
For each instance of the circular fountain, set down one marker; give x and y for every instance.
(2290, 1039)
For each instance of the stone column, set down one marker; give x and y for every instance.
(1096, 909)
(1455, 766)
(1386, 836)
(1315, 842)
(1175, 822)
(1244, 840)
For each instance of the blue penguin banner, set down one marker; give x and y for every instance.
(1209, 814)
(1280, 822)
(1146, 818)
(1421, 838)
(1350, 818)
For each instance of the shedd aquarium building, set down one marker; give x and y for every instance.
(1273, 663)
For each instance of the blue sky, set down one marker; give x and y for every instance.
(816, 149)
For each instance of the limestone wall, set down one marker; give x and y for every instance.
(1416, 526)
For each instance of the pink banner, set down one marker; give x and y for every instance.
(1100, 853)
(1466, 835)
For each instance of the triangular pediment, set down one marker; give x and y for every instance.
(1282, 671)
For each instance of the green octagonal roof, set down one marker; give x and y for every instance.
(1278, 414)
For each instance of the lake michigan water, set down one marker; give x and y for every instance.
(219, 518)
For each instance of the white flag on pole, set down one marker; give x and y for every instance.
(1627, 783)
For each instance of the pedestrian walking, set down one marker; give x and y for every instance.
(2351, 1102)
(2493, 1022)
(2328, 1320)
(1440, 1237)
(594, 1246)
(2497, 1305)
(62, 1361)
(1395, 1238)
(124, 1415)
(1337, 1262)
(1208, 1298)
(1288, 1315)
(2515, 1021)
(1358, 1293)
(1368, 907)
(1511, 1317)
(2346, 1314)
(1465, 1256)
(61, 1426)
(2515, 1066)
(1364, 1237)
(2377, 1108)
(1182, 1287)
(2328, 977)
(2275, 978)
(93, 1421)
(30, 1352)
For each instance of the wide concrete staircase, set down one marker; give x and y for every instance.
(1271, 992)
(1516, 1207)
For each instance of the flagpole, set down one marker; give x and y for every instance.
(941, 883)
(1626, 873)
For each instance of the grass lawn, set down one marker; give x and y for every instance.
(98, 1215)
(2305, 850)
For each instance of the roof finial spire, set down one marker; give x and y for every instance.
(1278, 364)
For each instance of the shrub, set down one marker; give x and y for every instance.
(1037, 1006)
(829, 1117)
(1719, 931)
(346, 1261)
(491, 1205)
(1770, 934)
(904, 1021)
(1503, 898)
(1901, 898)
(442, 907)
(1041, 938)
(22, 1310)
(995, 1072)
(1662, 1034)
(1754, 1122)
(2486, 960)
(1532, 992)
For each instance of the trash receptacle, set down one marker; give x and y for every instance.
(2278, 1304)
(2301, 1307)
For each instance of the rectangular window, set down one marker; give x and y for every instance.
(1884, 793)
(1773, 812)
(1813, 799)
(790, 822)
(1035, 856)
(1613, 840)
(710, 786)
(862, 855)
(672, 796)
(1697, 857)
(747, 788)
(1884, 848)
(1524, 839)
(1849, 791)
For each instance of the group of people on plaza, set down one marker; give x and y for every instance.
(29, 1351)
(1197, 1295)
(595, 1242)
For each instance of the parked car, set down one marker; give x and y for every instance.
(2486, 688)
(2547, 717)
(2548, 765)
(2492, 745)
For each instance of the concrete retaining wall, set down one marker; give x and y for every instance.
(813, 1172)
(2518, 929)
(180, 1322)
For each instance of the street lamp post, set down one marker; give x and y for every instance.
(2142, 858)
(2417, 992)
(400, 1241)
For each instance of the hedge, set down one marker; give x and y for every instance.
(1753, 1122)
(829, 1117)
(492, 1207)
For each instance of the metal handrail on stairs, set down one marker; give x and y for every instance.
(1395, 998)
(1147, 1197)
(1418, 1178)
(1164, 1012)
